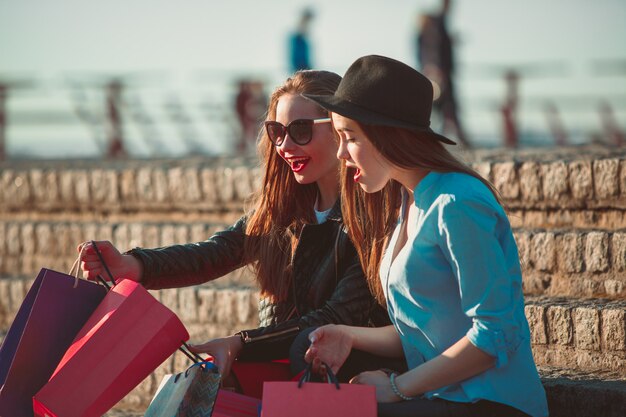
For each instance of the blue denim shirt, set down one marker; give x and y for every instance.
(459, 275)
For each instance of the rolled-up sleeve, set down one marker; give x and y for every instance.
(473, 232)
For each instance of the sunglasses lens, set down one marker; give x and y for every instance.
(275, 131)
(300, 131)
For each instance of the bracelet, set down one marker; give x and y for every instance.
(394, 388)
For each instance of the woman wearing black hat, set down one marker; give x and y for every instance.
(437, 247)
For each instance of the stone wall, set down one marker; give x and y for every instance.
(567, 207)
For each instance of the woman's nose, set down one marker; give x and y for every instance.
(342, 152)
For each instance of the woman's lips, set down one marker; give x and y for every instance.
(357, 174)
(298, 165)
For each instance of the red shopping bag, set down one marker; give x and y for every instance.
(54, 310)
(128, 336)
(231, 404)
(251, 375)
(314, 399)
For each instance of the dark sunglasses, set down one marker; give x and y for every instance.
(300, 131)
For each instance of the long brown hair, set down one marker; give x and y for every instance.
(281, 206)
(371, 218)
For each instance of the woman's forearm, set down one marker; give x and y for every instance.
(459, 362)
(381, 341)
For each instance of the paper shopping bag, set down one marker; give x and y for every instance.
(314, 399)
(231, 404)
(128, 336)
(54, 310)
(189, 393)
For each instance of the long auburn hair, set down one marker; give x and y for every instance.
(281, 206)
(372, 217)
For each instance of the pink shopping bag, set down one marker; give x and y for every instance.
(128, 336)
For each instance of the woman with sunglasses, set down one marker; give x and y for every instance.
(437, 248)
(294, 238)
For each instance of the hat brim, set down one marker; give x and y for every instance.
(368, 117)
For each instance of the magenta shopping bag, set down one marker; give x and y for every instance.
(126, 338)
(54, 310)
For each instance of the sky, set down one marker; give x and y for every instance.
(199, 44)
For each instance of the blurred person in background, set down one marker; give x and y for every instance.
(299, 45)
(435, 56)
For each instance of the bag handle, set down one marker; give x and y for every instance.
(75, 269)
(331, 378)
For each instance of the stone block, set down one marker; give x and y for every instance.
(43, 234)
(64, 242)
(66, 187)
(13, 241)
(181, 234)
(3, 239)
(587, 328)
(614, 329)
(618, 251)
(160, 184)
(622, 177)
(484, 169)
(128, 187)
(18, 293)
(506, 180)
(606, 177)
(581, 180)
(45, 188)
(151, 236)
(104, 232)
(241, 180)
(570, 252)
(555, 180)
(191, 182)
(614, 288)
(104, 188)
(145, 188)
(256, 178)
(208, 185)
(27, 236)
(559, 325)
(121, 236)
(542, 251)
(6, 314)
(522, 239)
(536, 317)
(187, 305)
(15, 186)
(176, 186)
(597, 252)
(169, 298)
(168, 235)
(198, 233)
(225, 185)
(225, 307)
(136, 235)
(206, 305)
(530, 181)
(81, 187)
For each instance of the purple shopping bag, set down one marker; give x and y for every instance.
(54, 310)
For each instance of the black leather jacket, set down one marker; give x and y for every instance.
(328, 285)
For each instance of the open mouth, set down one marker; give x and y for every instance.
(298, 164)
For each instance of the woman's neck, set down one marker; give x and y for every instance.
(328, 193)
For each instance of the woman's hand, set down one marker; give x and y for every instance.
(330, 344)
(121, 266)
(380, 380)
(224, 351)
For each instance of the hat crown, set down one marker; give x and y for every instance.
(388, 87)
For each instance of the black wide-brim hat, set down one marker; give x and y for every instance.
(381, 91)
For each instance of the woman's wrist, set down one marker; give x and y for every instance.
(399, 392)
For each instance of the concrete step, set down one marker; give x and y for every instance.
(564, 262)
(584, 394)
